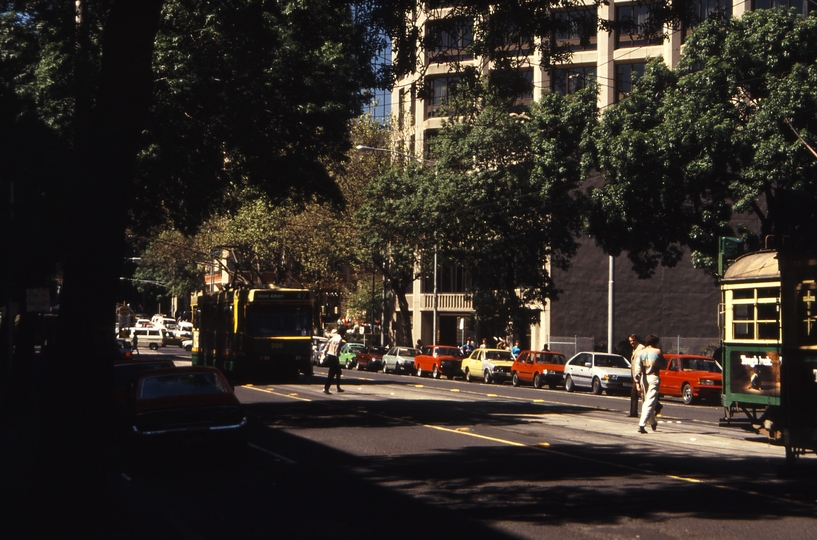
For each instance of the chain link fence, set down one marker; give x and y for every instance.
(570, 345)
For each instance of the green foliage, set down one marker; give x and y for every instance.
(689, 149)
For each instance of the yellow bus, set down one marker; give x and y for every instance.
(254, 335)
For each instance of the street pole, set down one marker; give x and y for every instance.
(434, 324)
(610, 302)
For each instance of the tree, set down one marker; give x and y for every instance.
(730, 131)
(396, 226)
(504, 201)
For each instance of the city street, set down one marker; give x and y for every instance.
(401, 457)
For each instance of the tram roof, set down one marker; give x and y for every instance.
(757, 265)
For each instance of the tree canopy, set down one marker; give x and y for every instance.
(730, 132)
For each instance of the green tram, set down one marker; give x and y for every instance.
(254, 335)
(770, 347)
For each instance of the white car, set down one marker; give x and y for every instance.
(599, 372)
(187, 344)
(400, 360)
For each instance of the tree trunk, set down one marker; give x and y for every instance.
(98, 195)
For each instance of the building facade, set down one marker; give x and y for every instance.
(686, 299)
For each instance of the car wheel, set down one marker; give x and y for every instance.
(515, 379)
(153, 347)
(385, 367)
(596, 386)
(348, 364)
(569, 385)
(468, 377)
(188, 348)
(537, 381)
(359, 367)
(686, 392)
(419, 371)
(486, 377)
(435, 372)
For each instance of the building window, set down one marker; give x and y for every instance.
(625, 74)
(429, 148)
(576, 30)
(637, 26)
(701, 10)
(571, 79)
(447, 40)
(439, 91)
(803, 7)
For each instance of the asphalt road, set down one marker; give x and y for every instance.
(401, 457)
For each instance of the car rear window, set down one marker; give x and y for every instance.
(448, 351)
(550, 359)
(611, 361)
(181, 384)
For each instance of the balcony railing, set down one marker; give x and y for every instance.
(445, 302)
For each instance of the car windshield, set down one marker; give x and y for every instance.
(181, 384)
(499, 355)
(697, 364)
(447, 351)
(409, 352)
(611, 361)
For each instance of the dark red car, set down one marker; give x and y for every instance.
(371, 358)
(539, 368)
(439, 360)
(192, 407)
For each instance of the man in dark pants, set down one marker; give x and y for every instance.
(637, 346)
(331, 359)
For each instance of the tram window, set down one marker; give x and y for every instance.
(768, 292)
(743, 312)
(744, 330)
(768, 330)
(743, 294)
(767, 312)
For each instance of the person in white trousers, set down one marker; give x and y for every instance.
(646, 373)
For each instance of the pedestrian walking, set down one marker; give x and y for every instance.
(635, 343)
(331, 359)
(647, 366)
(515, 350)
(134, 344)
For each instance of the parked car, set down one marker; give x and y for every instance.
(439, 360)
(598, 371)
(348, 354)
(124, 375)
(488, 365)
(125, 349)
(691, 377)
(540, 368)
(188, 407)
(187, 344)
(400, 360)
(371, 358)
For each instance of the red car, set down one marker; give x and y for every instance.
(439, 360)
(371, 358)
(192, 407)
(540, 368)
(691, 377)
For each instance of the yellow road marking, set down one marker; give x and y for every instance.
(455, 389)
(418, 386)
(271, 391)
(538, 400)
(491, 395)
(478, 436)
(685, 479)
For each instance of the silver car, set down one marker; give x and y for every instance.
(599, 372)
(400, 360)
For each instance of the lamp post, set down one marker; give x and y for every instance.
(424, 162)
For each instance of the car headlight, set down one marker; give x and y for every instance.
(707, 382)
(611, 377)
